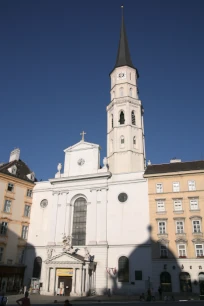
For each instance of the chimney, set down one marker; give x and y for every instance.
(14, 155)
(149, 163)
(175, 160)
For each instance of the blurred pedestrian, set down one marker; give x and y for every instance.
(25, 301)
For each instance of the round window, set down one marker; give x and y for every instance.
(122, 197)
(44, 203)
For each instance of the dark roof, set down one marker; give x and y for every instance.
(22, 170)
(123, 56)
(175, 167)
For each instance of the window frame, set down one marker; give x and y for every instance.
(12, 188)
(79, 222)
(165, 249)
(181, 202)
(165, 227)
(24, 232)
(182, 244)
(161, 190)
(196, 232)
(160, 201)
(176, 188)
(7, 206)
(29, 193)
(1, 253)
(196, 244)
(27, 216)
(191, 187)
(133, 118)
(177, 231)
(123, 273)
(3, 232)
(194, 199)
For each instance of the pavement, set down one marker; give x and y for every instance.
(37, 299)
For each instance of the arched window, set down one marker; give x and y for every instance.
(121, 92)
(185, 282)
(165, 281)
(79, 222)
(130, 92)
(112, 120)
(122, 141)
(37, 267)
(123, 269)
(133, 117)
(134, 141)
(122, 118)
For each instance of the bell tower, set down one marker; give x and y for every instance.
(125, 126)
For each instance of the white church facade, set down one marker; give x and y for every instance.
(89, 224)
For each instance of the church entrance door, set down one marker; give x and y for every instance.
(66, 283)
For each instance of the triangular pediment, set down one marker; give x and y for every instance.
(65, 257)
(82, 145)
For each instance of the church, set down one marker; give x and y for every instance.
(89, 226)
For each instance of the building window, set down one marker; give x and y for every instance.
(122, 118)
(121, 92)
(138, 275)
(179, 227)
(177, 205)
(13, 170)
(130, 92)
(162, 227)
(182, 250)
(79, 222)
(21, 256)
(123, 269)
(165, 282)
(134, 141)
(27, 211)
(194, 204)
(37, 265)
(191, 185)
(7, 206)
(10, 187)
(159, 188)
(160, 205)
(133, 118)
(185, 282)
(1, 253)
(24, 233)
(29, 193)
(4, 226)
(196, 226)
(199, 250)
(163, 251)
(176, 187)
(122, 141)
(112, 120)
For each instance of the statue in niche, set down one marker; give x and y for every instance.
(67, 243)
(49, 253)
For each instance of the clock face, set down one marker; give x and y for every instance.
(121, 75)
(81, 161)
(122, 197)
(44, 203)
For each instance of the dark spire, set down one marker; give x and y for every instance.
(123, 56)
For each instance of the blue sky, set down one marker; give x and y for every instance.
(55, 59)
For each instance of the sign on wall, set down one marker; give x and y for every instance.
(64, 272)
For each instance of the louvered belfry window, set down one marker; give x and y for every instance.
(79, 222)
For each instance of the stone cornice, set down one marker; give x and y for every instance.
(118, 101)
(81, 177)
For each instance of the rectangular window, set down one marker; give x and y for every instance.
(162, 227)
(29, 193)
(182, 250)
(163, 251)
(4, 226)
(199, 250)
(1, 253)
(160, 205)
(27, 211)
(159, 188)
(24, 233)
(138, 275)
(194, 204)
(177, 205)
(196, 226)
(179, 227)
(176, 186)
(7, 206)
(191, 185)
(10, 187)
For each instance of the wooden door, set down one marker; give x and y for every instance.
(67, 280)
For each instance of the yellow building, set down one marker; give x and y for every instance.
(16, 184)
(176, 207)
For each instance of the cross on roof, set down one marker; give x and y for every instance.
(82, 135)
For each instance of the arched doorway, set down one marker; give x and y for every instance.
(165, 282)
(185, 282)
(201, 282)
(37, 267)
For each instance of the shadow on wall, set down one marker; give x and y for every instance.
(166, 272)
(12, 256)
